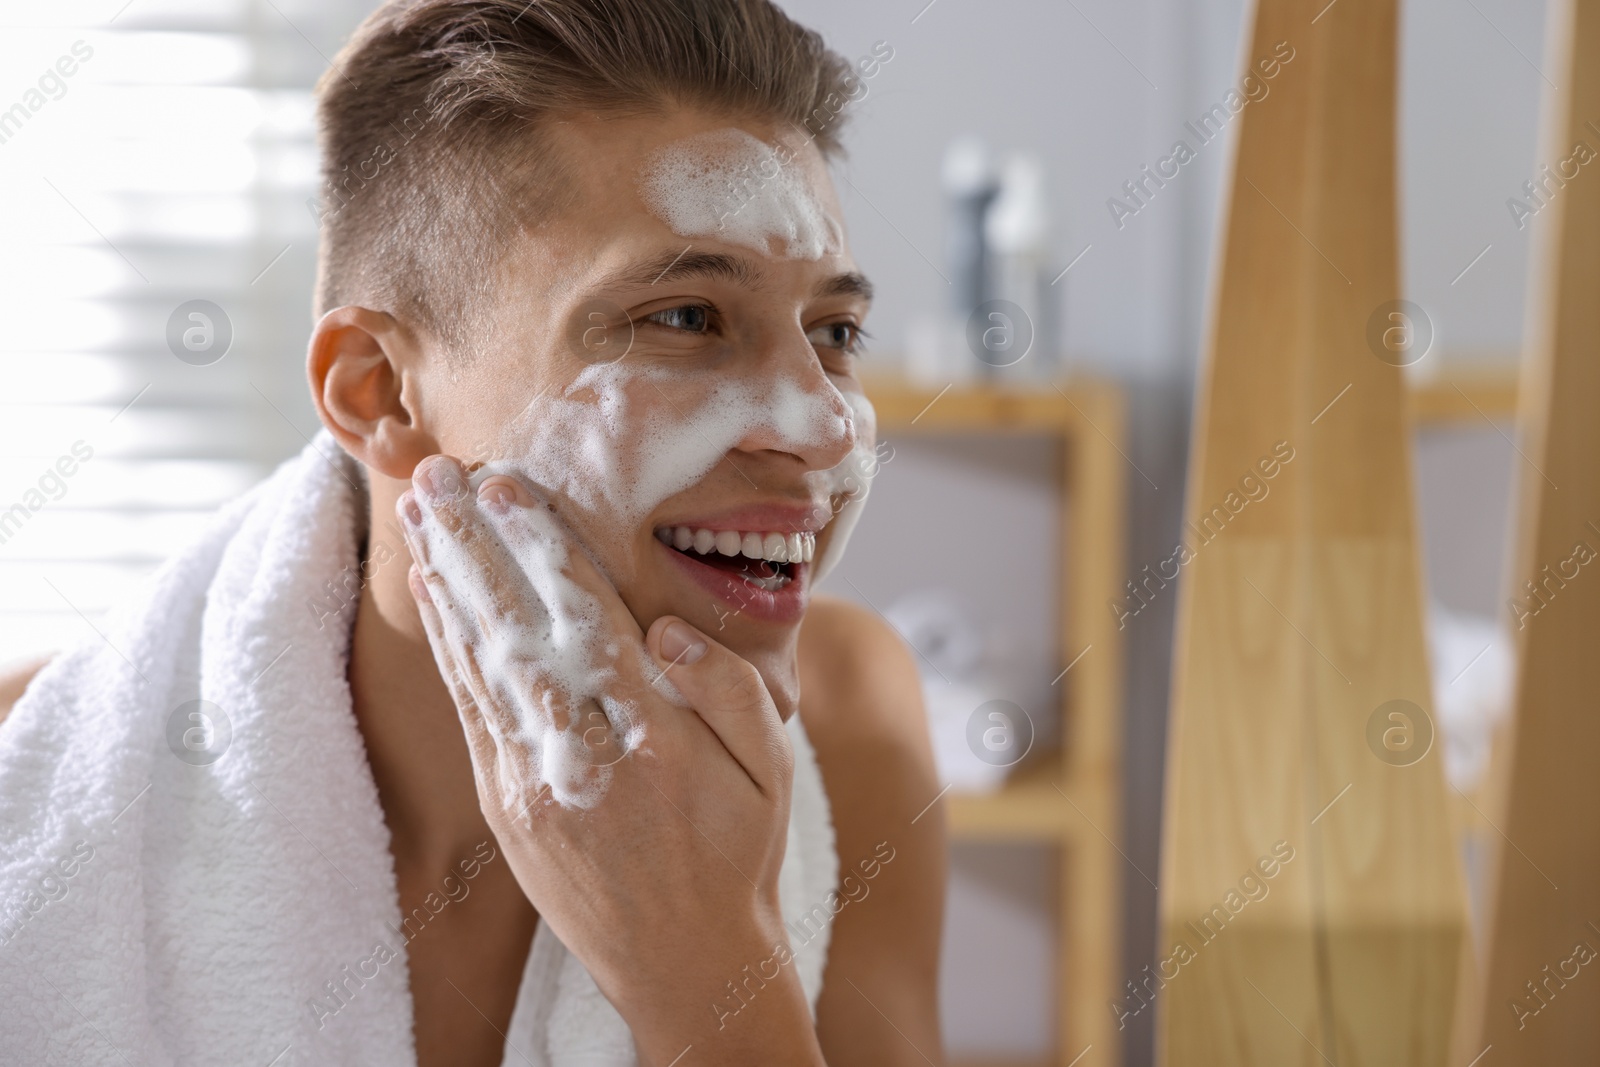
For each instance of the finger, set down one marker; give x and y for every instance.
(538, 667)
(450, 539)
(730, 696)
(494, 757)
(548, 551)
(433, 625)
(479, 740)
(579, 646)
(553, 656)
(593, 634)
(488, 717)
(485, 604)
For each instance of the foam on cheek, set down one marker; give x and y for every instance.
(853, 480)
(616, 448)
(733, 186)
(684, 450)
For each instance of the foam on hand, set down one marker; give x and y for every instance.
(544, 651)
(732, 186)
(614, 447)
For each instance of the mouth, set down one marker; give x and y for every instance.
(762, 573)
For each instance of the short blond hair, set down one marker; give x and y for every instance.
(430, 120)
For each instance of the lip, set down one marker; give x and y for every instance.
(786, 605)
(762, 518)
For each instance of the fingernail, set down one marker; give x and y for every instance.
(497, 494)
(411, 511)
(419, 588)
(680, 643)
(437, 479)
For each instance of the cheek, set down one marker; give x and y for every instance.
(865, 420)
(609, 447)
(619, 441)
(867, 432)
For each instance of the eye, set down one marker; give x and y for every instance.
(690, 318)
(845, 336)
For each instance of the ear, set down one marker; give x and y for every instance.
(363, 370)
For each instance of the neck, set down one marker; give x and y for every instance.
(418, 754)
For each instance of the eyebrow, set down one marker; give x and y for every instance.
(852, 284)
(674, 267)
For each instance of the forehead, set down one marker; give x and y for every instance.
(615, 166)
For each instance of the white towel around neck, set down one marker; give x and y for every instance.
(155, 911)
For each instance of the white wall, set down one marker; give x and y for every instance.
(1096, 88)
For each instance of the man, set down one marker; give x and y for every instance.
(623, 533)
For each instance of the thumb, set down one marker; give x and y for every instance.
(729, 695)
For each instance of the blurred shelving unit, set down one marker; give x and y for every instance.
(1069, 798)
(1483, 393)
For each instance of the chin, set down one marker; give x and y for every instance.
(779, 669)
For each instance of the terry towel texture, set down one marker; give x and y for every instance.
(160, 906)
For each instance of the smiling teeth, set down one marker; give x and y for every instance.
(772, 547)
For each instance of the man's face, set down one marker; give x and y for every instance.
(680, 393)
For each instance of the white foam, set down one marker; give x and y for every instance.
(850, 482)
(614, 446)
(623, 438)
(552, 669)
(735, 187)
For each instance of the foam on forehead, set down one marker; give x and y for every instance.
(731, 185)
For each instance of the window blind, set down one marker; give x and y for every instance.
(157, 161)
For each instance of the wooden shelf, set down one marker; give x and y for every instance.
(981, 407)
(1034, 805)
(1027, 808)
(1469, 396)
(1463, 395)
(1084, 420)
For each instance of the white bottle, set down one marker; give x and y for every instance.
(1016, 231)
(970, 186)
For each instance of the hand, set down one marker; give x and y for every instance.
(638, 784)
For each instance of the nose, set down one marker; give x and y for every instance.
(801, 412)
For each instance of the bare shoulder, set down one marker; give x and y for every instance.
(861, 703)
(858, 680)
(14, 679)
